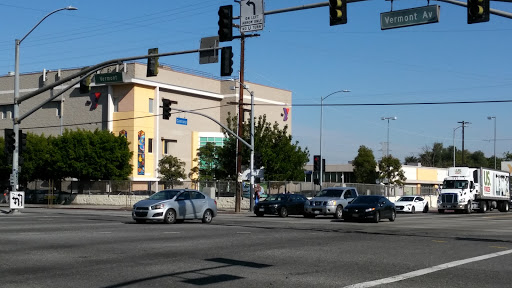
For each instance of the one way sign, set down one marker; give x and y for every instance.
(252, 16)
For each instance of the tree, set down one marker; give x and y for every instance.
(390, 170)
(411, 159)
(282, 158)
(208, 159)
(171, 169)
(364, 166)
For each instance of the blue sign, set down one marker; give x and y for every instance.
(181, 121)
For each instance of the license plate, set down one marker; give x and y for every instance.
(355, 215)
(262, 209)
(317, 212)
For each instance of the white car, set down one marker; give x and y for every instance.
(411, 204)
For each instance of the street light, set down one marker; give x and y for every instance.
(387, 143)
(16, 124)
(238, 197)
(321, 128)
(490, 118)
(454, 129)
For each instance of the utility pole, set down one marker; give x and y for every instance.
(463, 125)
(238, 200)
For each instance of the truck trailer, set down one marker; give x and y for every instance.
(481, 189)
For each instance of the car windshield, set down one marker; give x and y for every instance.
(164, 195)
(455, 184)
(329, 193)
(275, 197)
(366, 200)
(406, 199)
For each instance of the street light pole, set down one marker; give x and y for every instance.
(387, 143)
(490, 118)
(16, 123)
(454, 144)
(321, 128)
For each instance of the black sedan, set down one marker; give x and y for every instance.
(281, 204)
(370, 207)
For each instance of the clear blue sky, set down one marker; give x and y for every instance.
(299, 51)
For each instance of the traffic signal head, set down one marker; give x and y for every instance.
(152, 63)
(226, 61)
(22, 142)
(316, 163)
(10, 141)
(225, 23)
(84, 85)
(166, 105)
(337, 12)
(257, 160)
(478, 11)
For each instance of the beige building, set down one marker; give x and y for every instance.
(126, 102)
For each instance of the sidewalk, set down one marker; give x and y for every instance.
(4, 208)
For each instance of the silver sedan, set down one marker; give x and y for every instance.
(175, 205)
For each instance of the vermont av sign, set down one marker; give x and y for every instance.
(409, 17)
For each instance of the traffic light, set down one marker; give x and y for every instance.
(478, 11)
(166, 104)
(316, 163)
(22, 142)
(10, 141)
(84, 85)
(338, 12)
(257, 160)
(226, 61)
(225, 23)
(152, 63)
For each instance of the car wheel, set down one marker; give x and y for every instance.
(441, 211)
(376, 219)
(140, 221)
(170, 216)
(413, 210)
(259, 214)
(393, 216)
(339, 212)
(425, 209)
(207, 216)
(283, 212)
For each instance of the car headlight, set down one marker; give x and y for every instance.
(408, 205)
(275, 205)
(331, 203)
(369, 209)
(157, 206)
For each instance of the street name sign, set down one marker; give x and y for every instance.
(181, 121)
(252, 17)
(409, 17)
(108, 78)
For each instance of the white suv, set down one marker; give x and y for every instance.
(330, 201)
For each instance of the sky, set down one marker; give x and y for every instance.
(449, 61)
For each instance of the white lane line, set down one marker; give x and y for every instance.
(172, 232)
(427, 270)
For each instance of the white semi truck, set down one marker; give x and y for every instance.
(467, 189)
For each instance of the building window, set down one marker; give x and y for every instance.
(166, 146)
(150, 145)
(151, 105)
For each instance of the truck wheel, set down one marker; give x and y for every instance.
(483, 207)
(506, 207)
(441, 211)
(468, 208)
(339, 212)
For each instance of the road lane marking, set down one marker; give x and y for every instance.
(427, 270)
(439, 241)
(172, 232)
(499, 247)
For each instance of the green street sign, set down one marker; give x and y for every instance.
(409, 17)
(108, 78)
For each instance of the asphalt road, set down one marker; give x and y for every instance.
(104, 248)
